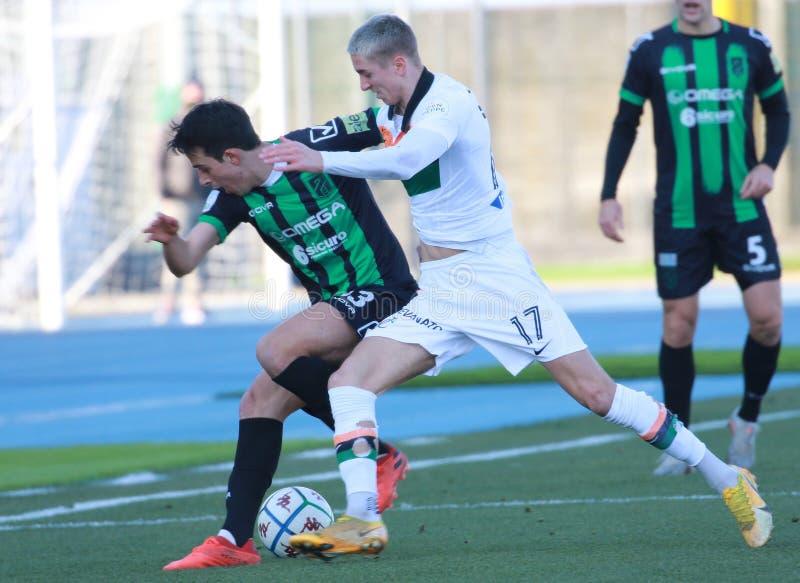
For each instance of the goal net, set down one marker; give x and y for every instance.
(116, 71)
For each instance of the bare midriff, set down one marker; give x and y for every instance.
(434, 253)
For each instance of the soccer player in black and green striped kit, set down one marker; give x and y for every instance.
(332, 234)
(701, 75)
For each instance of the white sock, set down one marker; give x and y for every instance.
(717, 473)
(633, 409)
(363, 505)
(651, 421)
(227, 535)
(355, 424)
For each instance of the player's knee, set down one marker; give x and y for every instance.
(338, 379)
(266, 401)
(766, 328)
(354, 372)
(679, 327)
(678, 334)
(248, 404)
(273, 355)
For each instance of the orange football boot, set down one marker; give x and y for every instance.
(217, 551)
(392, 467)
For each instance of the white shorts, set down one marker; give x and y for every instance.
(494, 299)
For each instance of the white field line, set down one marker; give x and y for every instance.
(404, 507)
(591, 441)
(109, 523)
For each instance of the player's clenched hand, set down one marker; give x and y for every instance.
(610, 219)
(162, 229)
(297, 156)
(758, 182)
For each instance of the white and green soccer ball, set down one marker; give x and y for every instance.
(291, 511)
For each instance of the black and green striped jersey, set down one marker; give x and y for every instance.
(702, 90)
(329, 229)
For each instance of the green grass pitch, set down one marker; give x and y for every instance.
(572, 500)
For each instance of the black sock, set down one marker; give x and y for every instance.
(307, 377)
(759, 363)
(676, 369)
(257, 454)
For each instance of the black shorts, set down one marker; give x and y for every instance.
(365, 307)
(685, 258)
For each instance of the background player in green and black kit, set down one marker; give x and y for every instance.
(701, 74)
(330, 231)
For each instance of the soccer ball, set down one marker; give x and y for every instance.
(290, 511)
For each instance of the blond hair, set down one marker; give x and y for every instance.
(382, 37)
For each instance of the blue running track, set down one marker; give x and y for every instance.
(125, 381)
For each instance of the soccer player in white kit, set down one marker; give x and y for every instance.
(478, 287)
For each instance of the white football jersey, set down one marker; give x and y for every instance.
(460, 198)
(443, 156)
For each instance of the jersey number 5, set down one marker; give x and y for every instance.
(756, 249)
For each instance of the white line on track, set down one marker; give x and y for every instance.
(591, 441)
(104, 409)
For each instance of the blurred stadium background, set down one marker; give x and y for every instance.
(87, 85)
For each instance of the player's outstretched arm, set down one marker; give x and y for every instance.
(162, 228)
(181, 255)
(297, 156)
(418, 149)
